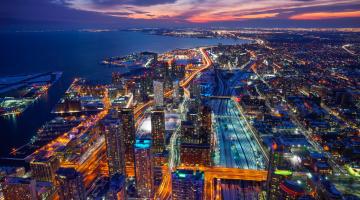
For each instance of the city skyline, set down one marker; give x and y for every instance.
(180, 100)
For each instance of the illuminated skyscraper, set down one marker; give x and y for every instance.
(128, 129)
(158, 93)
(202, 153)
(188, 132)
(205, 124)
(117, 188)
(160, 70)
(193, 116)
(43, 169)
(187, 185)
(115, 149)
(70, 184)
(158, 130)
(117, 79)
(144, 88)
(18, 188)
(144, 169)
(176, 93)
(195, 90)
(193, 146)
(25, 188)
(178, 70)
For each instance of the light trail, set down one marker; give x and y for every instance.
(345, 47)
(165, 188)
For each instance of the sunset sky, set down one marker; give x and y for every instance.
(167, 13)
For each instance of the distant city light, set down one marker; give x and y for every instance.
(295, 160)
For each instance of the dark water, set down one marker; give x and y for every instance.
(76, 54)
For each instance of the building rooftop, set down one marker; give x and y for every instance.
(293, 140)
(188, 174)
(142, 144)
(69, 173)
(16, 180)
(117, 181)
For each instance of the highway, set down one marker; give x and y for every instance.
(345, 47)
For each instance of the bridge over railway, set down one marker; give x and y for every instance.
(211, 173)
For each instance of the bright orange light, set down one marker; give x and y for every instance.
(204, 19)
(325, 15)
(274, 146)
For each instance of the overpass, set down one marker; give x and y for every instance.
(211, 173)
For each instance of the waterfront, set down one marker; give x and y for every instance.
(77, 54)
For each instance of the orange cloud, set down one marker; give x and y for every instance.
(259, 16)
(325, 15)
(214, 18)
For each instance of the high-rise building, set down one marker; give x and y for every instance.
(117, 188)
(128, 129)
(160, 70)
(202, 153)
(193, 116)
(193, 105)
(26, 188)
(44, 168)
(187, 185)
(144, 169)
(18, 188)
(46, 190)
(159, 159)
(144, 88)
(158, 130)
(70, 184)
(115, 149)
(205, 124)
(193, 146)
(176, 93)
(178, 70)
(158, 93)
(189, 133)
(195, 90)
(117, 79)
